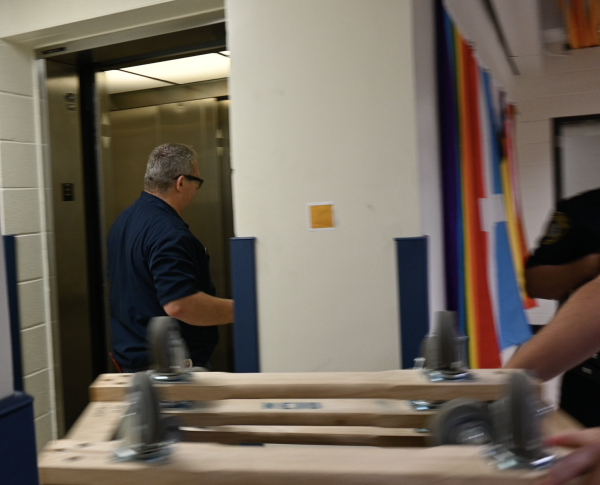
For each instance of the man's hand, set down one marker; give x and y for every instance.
(201, 309)
(585, 459)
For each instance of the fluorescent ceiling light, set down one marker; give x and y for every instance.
(121, 82)
(187, 70)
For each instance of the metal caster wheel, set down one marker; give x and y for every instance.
(145, 435)
(430, 352)
(450, 355)
(168, 351)
(517, 420)
(461, 422)
(441, 351)
(523, 409)
(144, 410)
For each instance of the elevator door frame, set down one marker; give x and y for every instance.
(559, 162)
(207, 39)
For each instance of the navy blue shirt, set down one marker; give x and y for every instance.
(153, 259)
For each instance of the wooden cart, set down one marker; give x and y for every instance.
(356, 408)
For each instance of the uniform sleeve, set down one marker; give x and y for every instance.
(173, 266)
(565, 240)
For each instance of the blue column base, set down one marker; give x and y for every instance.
(18, 455)
(413, 287)
(243, 283)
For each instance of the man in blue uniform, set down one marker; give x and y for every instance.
(157, 267)
(566, 259)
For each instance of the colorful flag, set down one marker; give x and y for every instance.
(484, 242)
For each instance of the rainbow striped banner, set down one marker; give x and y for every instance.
(485, 247)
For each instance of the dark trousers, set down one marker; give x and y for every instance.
(580, 391)
(580, 394)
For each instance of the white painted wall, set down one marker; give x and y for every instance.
(323, 110)
(428, 148)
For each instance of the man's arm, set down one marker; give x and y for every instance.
(201, 309)
(571, 337)
(554, 282)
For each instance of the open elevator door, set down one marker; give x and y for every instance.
(133, 124)
(98, 147)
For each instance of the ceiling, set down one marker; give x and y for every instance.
(534, 33)
(531, 33)
(186, 70)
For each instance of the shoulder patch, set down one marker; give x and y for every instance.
(557, 229)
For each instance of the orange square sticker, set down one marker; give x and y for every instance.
(321, 216)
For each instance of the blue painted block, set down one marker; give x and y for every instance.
(10, 256)
(245, 327)
(18, 457)
(411, 254)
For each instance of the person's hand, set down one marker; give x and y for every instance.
(585, 459)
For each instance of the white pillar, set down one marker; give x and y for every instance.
(323, 109)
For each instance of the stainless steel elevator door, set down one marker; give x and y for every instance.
(134, 133)
(74, 362)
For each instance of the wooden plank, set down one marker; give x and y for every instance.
(64, 463)
(555, 422)
(558, 421)
(398, 384)
(85, 461)
(307, 435)
(304, 412)
(100, 419)
(98, 422)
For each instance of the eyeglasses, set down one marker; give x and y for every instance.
(198, 181)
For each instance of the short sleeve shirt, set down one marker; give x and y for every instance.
(153, 259)
(572, 233)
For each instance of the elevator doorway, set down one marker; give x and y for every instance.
(99, 139)
(133, 125)
(576, 166)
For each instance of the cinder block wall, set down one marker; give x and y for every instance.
(22, 198)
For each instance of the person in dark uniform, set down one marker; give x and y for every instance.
(567, 258)
(157, 267)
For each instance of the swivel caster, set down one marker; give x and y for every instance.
(510, 426)
(517, 418)
(442, 356)
(168, 352)
(145, 434)
(461, 422)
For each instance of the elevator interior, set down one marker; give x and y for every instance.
(98, 144)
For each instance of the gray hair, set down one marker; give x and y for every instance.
(165, 163)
